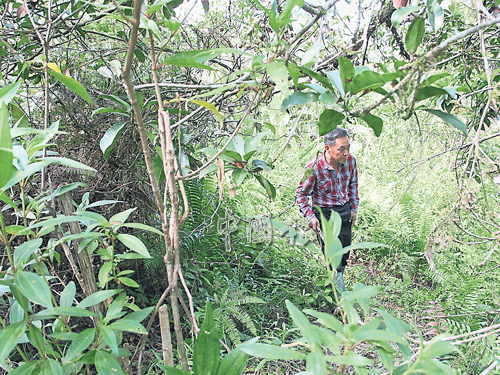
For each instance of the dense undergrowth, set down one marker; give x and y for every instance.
(409, 206)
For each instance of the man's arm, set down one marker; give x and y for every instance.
(305, 189)
(353, 192)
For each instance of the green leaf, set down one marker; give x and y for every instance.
(80, 343)
(65, 311)
(140, 315)
(73, 85)
(449, 118)
(239, 175)
(106, 364)
(128, 325)
(109, 338)
(128, 282)
(173, 370)
(195, 58)
(311, 55)
(328, 98)
(6, 155)
(374, 122)
(436, 16)
(270, 351)
(121, 217)
(346, 72)
(302, 323)
(329, 120)
(126, 106)
(334, 77)
(299, 98)
(316, 364)
(327, 320)
(366, 245)
(279, 74)
(271, 191)
(68, 163)
(134, 244)
(6, 199)
(414, 35)
(210, 107)
(437, 347)
(104, 273)
(233, 363)
(51, 366)
(110, 138)
(9, 337)
(349, 358)
(317, 76)
(28, 368)
(34, 287)
(367, 80)
(8, 92)
(97, 297)
(68, 294)
(206, 357)
(399, 15)
(24, 251)
(143, 227)
(398, 327)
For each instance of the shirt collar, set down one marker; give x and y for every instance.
(323, 164)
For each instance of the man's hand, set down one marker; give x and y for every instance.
(354, 214)
(314, 224)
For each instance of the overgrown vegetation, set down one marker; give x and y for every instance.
(152, 151)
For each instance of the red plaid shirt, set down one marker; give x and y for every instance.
(326, 186)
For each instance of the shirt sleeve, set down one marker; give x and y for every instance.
(305, 189)
(353, 188)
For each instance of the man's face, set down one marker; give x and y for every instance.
(338, 152)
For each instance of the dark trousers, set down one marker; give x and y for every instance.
(345, 234)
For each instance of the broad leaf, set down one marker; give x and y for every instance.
(8, 92)
(6, 155)
(399, 15)
(346, 72)
(121, 217)
(34, 287)
(107, 364)
(299, 98)
(233, 363)
(316, 364)
(96, 298)
(270, 351)
(51, 366)
(301, 321)
(65, 311)
(334, 77)
(68, 163)
(436, 16)
(449, 118)
(24, 251)
(329, 120)
(327, 320)
(414, 35)
(367, 80)
(317, 76)
(110, 138)
(210, 107)
(9, 337)
(73, 85)
(128, 325)
(80, 343)
(271, 191)
(206, 357)
(279, 74)
(143, 227)
(68, 294)
(374, 122)
(109, 338)
(134, 244)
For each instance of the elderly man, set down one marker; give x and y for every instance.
(331, 179)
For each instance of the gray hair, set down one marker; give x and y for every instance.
(331, 137)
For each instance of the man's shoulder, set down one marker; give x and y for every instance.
(315, 161)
